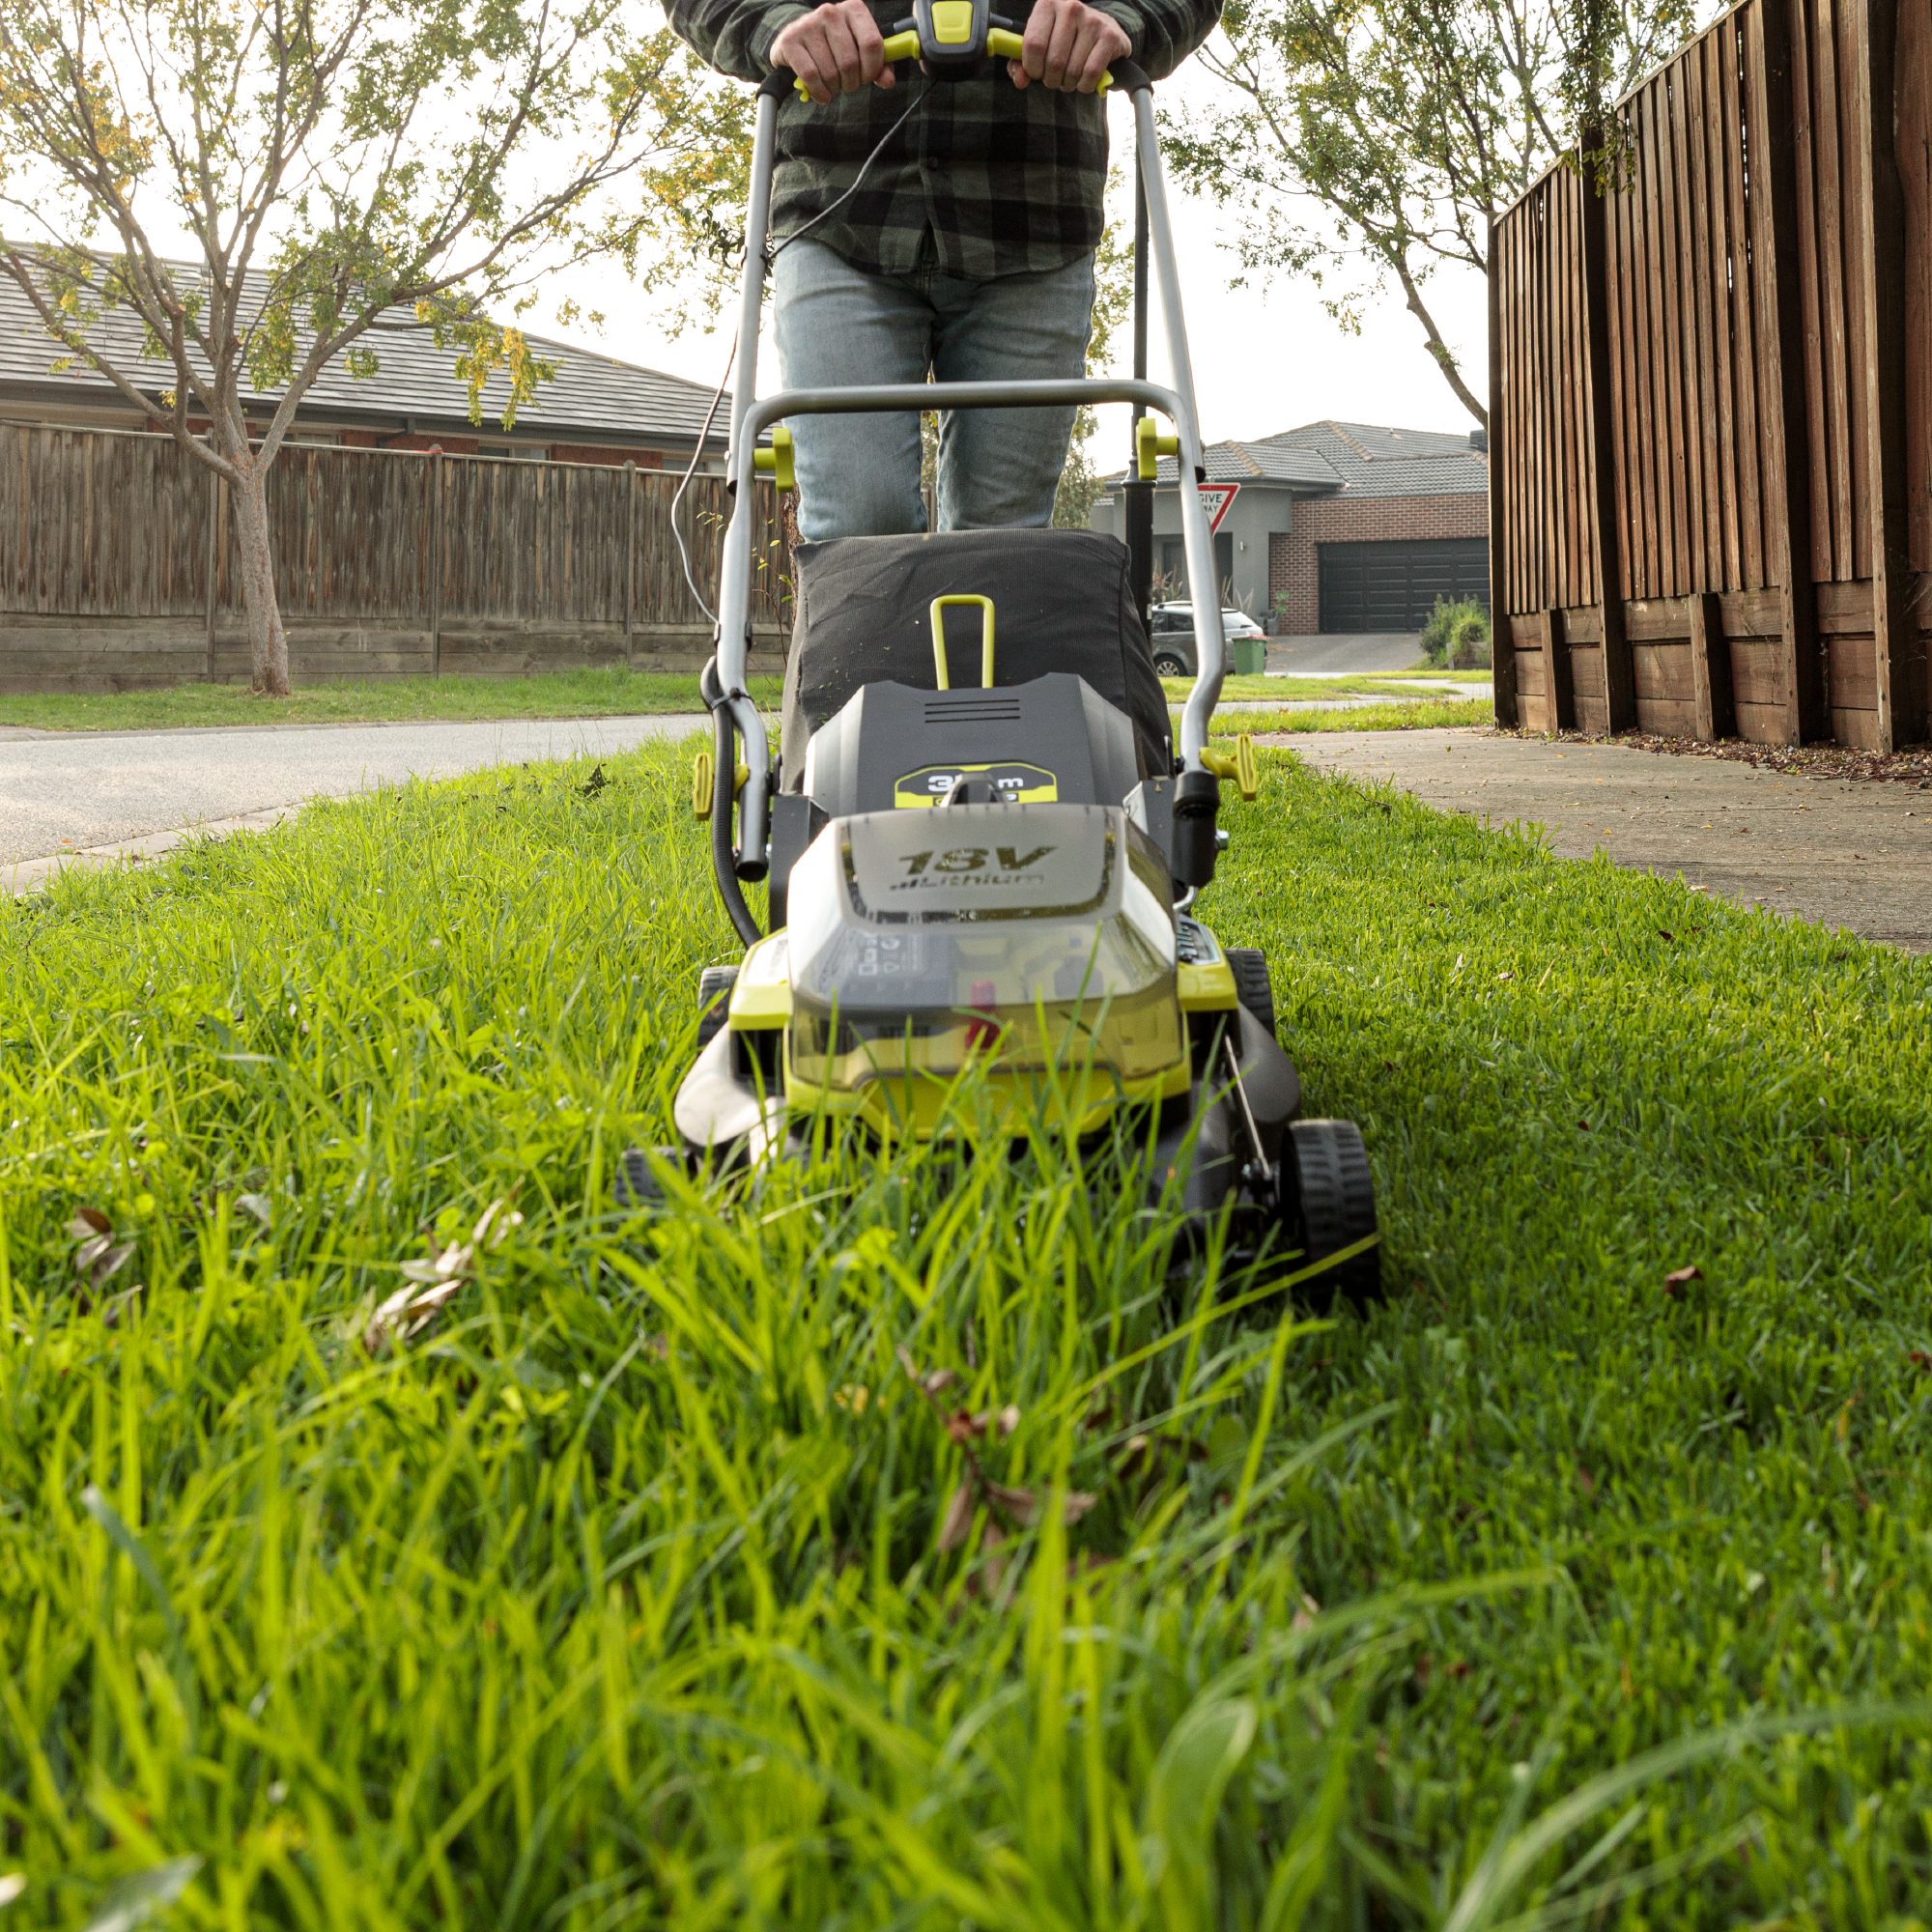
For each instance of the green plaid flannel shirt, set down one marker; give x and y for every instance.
(984, 179)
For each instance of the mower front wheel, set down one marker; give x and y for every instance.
(1252, 985)
(1332, 1205)
(715, 984)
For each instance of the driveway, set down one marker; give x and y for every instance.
(1341, 654)
(101, 794)
(1844, 854)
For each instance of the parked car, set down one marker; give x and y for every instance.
(1173, 637)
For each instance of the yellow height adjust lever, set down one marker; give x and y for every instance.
(1149, 447)
(702, 769)
(775, 462)
(938, 613)
(1240, 767)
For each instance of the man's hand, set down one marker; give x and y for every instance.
(1069, 46)
(836, 49)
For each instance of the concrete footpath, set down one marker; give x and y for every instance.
(1856, 855)
(92, 798)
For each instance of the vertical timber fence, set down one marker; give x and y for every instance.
(118, 566)
(1712, 391)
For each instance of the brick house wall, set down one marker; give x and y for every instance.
(1294, 562)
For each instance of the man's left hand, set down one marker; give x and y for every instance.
(1069, 46)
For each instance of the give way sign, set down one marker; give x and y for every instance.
(1215, 499)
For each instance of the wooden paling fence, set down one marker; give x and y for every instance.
(1712, 390)
(118, 567)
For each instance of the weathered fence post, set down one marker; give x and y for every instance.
(436, 563)
(1559, 699)
(1881, 289)
(1502, 643)
(1619, 672)
(1711, 688)
(1773, 111)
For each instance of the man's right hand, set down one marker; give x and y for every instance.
(834, 49)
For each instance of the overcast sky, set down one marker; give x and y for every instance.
(1264, 359)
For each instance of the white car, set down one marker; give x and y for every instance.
(1172, 637)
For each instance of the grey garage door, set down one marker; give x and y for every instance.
(1393, 586)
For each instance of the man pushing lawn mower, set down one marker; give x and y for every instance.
(966, 247)
(996, 875)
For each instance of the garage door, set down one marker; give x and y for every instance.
(1393, 586)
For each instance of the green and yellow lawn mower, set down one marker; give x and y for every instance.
(980, 847)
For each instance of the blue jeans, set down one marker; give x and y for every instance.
(998, 469)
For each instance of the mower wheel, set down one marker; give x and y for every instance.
(1167, 665)
(1252, 985)
(1334, 1197)
(635, 1184)
(714, 1001)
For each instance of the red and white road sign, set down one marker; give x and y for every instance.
(1216, 498)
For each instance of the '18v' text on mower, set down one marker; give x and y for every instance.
(1002, 872)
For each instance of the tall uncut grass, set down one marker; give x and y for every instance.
(909, 1542)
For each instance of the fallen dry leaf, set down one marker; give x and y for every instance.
(958, 1519)
(1024, 1505)
(407, 1312)
(1679, 1279)
(1920, 1361)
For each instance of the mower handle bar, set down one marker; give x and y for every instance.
(1001, 44)
(737, 717)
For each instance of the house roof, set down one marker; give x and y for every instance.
(1333, 459)
(594, 396)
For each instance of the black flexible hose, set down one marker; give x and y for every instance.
(725, 805)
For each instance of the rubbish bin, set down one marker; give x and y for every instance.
(1251, 656)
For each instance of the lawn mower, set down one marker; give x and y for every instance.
(1002, 874)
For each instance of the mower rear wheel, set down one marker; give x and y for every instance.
(635, 1184)
(1167, 665)
(1334, 1200)
(714, 1001)
(1252, 985)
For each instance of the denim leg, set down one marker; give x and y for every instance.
(998, 469)
(858, 477)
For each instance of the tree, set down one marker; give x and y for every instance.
(339, 167)
(1379, 138)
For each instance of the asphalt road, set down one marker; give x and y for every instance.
(68, 793)
(1339, 654)
(1852, 855)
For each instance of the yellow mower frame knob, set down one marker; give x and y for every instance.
(1149, 447)
(775, 462)
(703, 773)
(1241, 767)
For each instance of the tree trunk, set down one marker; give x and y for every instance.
(268, 642)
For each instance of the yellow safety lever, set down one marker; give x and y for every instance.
(937, 612)
(703, 770)
(950, 31)
(1149, 447)
(775, 462)
(1241, 767)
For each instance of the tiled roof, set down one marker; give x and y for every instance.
(1371, 461)
(593, 396)
(1255, 463)
(1331, 459)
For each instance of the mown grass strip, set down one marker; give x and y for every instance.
(621, 1594)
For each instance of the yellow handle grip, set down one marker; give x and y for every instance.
(937, 613)
(898, 48)
(776, 460)
(1000, 43)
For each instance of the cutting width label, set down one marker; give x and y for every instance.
(1017, 784)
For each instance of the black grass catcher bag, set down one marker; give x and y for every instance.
(1060, 604)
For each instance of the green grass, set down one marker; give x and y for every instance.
(564, 693)
(618, 1596)
(559, 693)
(1281, 690)
(1424, 713)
